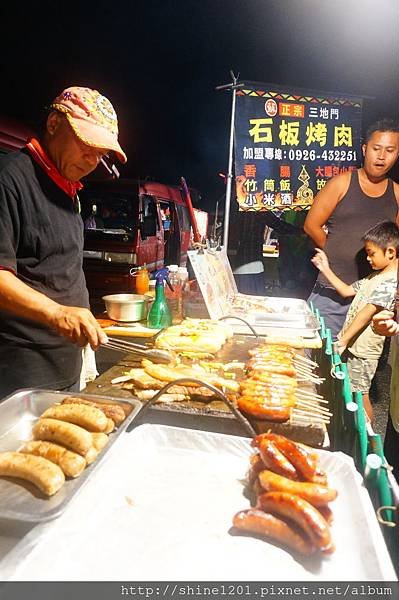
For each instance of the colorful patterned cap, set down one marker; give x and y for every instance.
(92, 117)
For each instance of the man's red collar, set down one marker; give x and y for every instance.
(38, 154)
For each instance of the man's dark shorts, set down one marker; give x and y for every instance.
(331, 306)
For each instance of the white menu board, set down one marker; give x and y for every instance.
(215, 278)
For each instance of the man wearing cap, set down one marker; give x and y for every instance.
(44, 314)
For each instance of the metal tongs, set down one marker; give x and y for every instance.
(159, 356)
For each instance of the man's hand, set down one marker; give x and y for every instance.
(78, 325)
(320, 260)
(383, 323)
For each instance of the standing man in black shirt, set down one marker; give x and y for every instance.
(349, 205)
(44, 308)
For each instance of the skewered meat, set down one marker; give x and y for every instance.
(167, 374)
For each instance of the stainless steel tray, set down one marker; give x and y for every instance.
(283, 313)
(20, 500)
(278, 305)
(171, 511)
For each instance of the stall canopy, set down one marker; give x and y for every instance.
(289, 142)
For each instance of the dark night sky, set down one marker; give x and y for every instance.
(159, 61)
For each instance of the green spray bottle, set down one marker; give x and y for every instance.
(160, 315)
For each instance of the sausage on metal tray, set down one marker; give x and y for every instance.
(112, 411)
(327, 513)
(257, 465)
(302, 460)
(47, 476)
(110, 426)
(91, 455)
(265, 524)
(317, 495)
(72, 464)
(275, 460)
(74, 437)
(302, 513)
(88, 417)
(100, 440)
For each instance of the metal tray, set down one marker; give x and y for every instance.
(279, 305)
(170, 512)
(290, 314)
(20, 500)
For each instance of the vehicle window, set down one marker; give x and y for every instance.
(183, 218)
(108, 212)
(150, 224)
(166, 215)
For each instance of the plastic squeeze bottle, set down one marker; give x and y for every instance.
(174, 295)
(183, 276)
(142, 281)
(160, 316)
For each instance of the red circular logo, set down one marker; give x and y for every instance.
(271, 107)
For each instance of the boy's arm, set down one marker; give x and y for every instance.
(362, 319)
(320, 261)
(384, 324)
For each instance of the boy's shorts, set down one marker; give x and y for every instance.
(361, 372)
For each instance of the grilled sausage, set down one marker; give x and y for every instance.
(302, 513)
(267, 525)
(275, 460)
(47, 476)
(267, 396)
(72, 464)
(88, 417)
(302, 460)
(317, 495)
(110, 426)
(91, 455)
(263, 411)
(257, 465)
(74, 437)
(100, 440)
(319, 477)
(112, 411)
(327, 513)
(266, 366)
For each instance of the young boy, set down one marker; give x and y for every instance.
(372, 294)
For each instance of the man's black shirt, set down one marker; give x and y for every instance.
(41, 241)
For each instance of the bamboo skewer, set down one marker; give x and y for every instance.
(319, 409)
(305, 416)
(299, 368)
(313, 379)
(308, 416)
(311, 394)
(305, 359)
(303, 365)
(309, 412)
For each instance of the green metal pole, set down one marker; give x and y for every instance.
(346, 385)
(322, 327)
(329, 347)
(384, 490)
(361, 428)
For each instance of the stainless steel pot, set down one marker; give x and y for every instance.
(126, 307)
